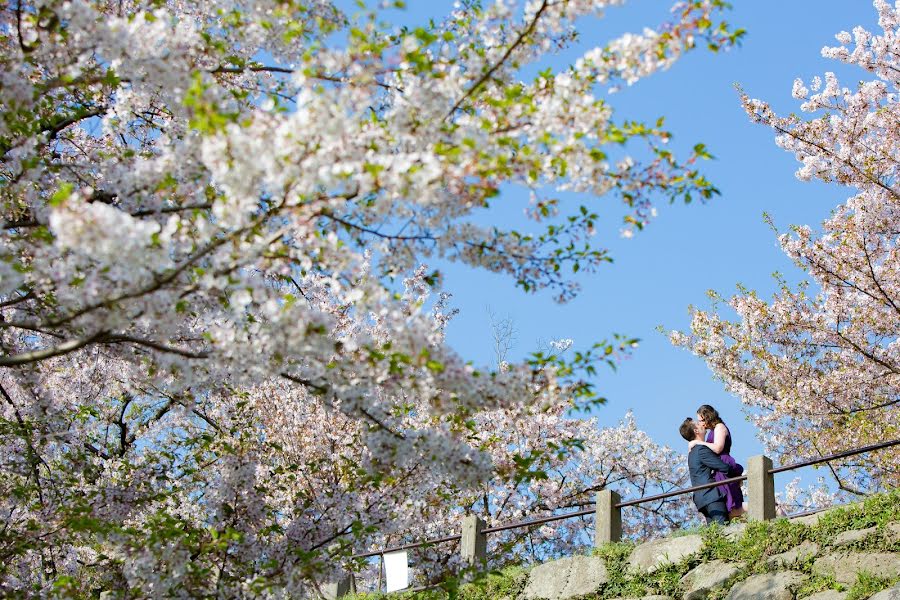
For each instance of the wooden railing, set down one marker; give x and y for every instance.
(607, 511)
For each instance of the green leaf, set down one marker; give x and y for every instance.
(62, 194)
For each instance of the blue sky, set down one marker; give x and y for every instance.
(690, 249)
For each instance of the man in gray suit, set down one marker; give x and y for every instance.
(701, 463)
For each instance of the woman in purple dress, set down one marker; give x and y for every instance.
(719, 441)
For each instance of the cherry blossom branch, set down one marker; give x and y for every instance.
(490, 72)
(50, 352)
(34, 458)
(25, 48)
(100, 337)
(375, 232)
(128, 339)
(158, 282)
(54, 125)
(17, 300)
(289, 71)
(875, 278)
(864, 174)
(322, 389)
(146, 212)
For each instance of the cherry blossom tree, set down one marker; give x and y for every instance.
(817, 366)
(211, 382)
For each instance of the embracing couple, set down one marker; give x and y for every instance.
(709, 459)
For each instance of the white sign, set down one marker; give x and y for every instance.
(396, 572)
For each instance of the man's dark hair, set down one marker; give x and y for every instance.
(688, 430)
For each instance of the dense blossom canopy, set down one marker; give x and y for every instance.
(819, 370)
(211, 379)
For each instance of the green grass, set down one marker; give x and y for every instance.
(868, 584)
(507, 583)
(621, 583)
(875, 511)
(819, 583)
(426, 595)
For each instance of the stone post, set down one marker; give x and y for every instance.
(473, 545)
(761, 488)
(337, 588)
(608, 520)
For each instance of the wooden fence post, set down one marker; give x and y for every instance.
(473, 545)
(340, 586)
(761, 489)
(608, 519)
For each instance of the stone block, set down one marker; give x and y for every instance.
(650, 556)
(892, 532)
(845, 565)
(706, 577)
(566, 578)
(768, 586)
(888, 594)
(827, 595)
(848, 538)
(809, 520)
(646, 598)
(735, 530)
(802, 552)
